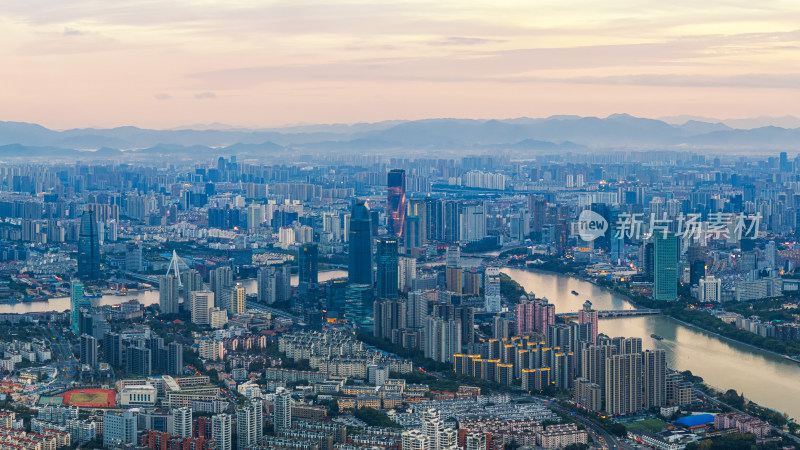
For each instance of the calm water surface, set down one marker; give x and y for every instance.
(763, 377)
(144, 297)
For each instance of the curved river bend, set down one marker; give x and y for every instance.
(767, 379)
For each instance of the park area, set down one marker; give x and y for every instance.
(95, 398)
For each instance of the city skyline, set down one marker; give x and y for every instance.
(259, 64)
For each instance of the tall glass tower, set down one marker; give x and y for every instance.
(388, 261)
(359, 267)
(665, 270)
(307, 261)
(396, 202)
(88, 248)
(75, 297)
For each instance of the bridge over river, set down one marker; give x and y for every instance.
(616, 313)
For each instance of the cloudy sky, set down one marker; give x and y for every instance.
(156, 63)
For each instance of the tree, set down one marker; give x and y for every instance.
(257, 365)
(374, 418)
(732, 398)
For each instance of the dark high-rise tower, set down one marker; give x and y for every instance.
(387, 267)
(88, 248)
(307, 261)
(396, 202)
(359, 267)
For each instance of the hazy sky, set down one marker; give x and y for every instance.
(165, 63)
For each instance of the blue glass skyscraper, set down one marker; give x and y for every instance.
(88, 248)
(387, 267)
(359, 267)
(75, 297)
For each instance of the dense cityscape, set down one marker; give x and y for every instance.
(373, 302)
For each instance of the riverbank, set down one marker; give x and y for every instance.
(668, 312)
(726, 338)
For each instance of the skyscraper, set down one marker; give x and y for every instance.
(359, 267)
(236, 299)
(88, 248)
(396, 202)
(112, 348)
(416, 310)
(389, 314)
(491, 285)
(665, 258)
(359, 300)
(168, 294)
(388, 261)
(175, 358)
(75, 296)
(307, 263)
(441, 339)
(221, 431)
(249, 424)
(589, 316)
(201, 303)
(273, 284)
(182, 421)
(283, 410)
(623, 384)
(88, 353)
(654, 364)
(220, 279)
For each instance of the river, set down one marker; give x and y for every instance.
(145, 297)
(767, 379)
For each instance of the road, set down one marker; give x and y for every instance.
(61, 350)
(602, 437)
(297, 319)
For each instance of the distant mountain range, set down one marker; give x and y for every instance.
(517, 136)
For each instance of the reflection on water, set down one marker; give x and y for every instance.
(558, 290)
(765, 378)
(144, 297)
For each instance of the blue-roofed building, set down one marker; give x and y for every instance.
(696, 420)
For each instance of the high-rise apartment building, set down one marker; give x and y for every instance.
(587, 315)
(406, 273)
(201, 303)
(235, 299)
(389, 314)
(491, 286)
(654, 365)
(175, 358)
(623, 384)
(283, 410)
(249, 424)
(273, 283)
(220, 280)
(88, 352)
(182, 421)
(441, 339)
(416, 310)
(168, 294)
(221, 431)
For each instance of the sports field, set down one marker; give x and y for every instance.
(98, 398)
